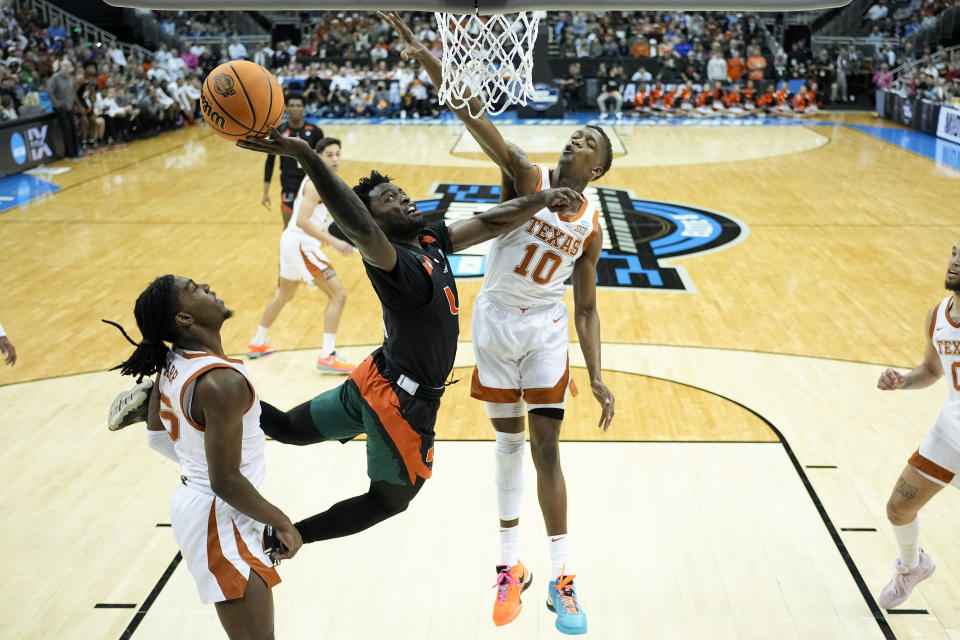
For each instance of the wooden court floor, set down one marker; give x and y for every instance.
(740, 493)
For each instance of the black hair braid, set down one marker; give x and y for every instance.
(154, 312)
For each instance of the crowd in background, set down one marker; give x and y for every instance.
(349, 65)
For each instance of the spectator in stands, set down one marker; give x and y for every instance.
(572, 87)
(825, 71)
(883, 78)
(877, 12)
(7, 112)
(236, 50)
(848, 64)
(716, 66)
(735, 66)
(31, 106)
(610, 99)
(64, 99)
(57, 31)
(756, 63)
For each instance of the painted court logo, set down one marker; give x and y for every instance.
(640, 237)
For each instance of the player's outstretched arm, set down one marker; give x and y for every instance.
(925, 373)
(510, 158)
(587, 321)
(345, 207)
(509, 215)
(222, 395)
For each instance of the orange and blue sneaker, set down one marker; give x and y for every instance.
(258, 350)
(331, 364)
(511, 582)
(562, 600)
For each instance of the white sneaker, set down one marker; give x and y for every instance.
(130, 406)
(901, 586)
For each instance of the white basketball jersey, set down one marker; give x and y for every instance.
(318, 217)
(527, 267)
(945, 334)
(177, 383)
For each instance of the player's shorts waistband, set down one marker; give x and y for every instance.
(514, 306)
(408, 384)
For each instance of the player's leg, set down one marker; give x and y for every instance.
(332, 287)
(928, 470)
(399, 453)
(287, 199)
(249, 617)
(545, 373)
(496, 381)
(260, 344)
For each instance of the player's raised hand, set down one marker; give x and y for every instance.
(277, 144)
(889, 380)
(605, 397)
(412, 47)
(563, 199)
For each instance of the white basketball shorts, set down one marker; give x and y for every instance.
(521, 354)
(301, 257)
(219, 544)
(938, 458)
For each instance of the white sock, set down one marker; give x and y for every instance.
(261, 337)
(559, 555)
(908, 539)
(329, 344)
(508, 454)
(509, 546)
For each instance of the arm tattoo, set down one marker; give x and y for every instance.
(906, 490)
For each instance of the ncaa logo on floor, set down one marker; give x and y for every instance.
(639, 235)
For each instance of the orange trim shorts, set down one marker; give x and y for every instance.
(399, 427)
(219, 544)
(938, 457)
(301, 257)
(521, 353)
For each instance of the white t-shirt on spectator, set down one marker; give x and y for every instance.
(378, 53)
(404, 78)
(163, 99)
(117, 56)
(717, 69)
(877, 12)
(237, 51)
(176, 67)
(197, 49)
(641, 75)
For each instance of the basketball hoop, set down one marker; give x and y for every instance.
(489, 58)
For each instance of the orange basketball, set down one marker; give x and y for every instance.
(240, 99)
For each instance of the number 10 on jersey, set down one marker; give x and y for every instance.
(545, 267)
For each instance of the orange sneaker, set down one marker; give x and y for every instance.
(331, 364)
(257, 350)
(511, 582)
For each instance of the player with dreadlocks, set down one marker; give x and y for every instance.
(521, 338)
(392, 396)
(205, 415)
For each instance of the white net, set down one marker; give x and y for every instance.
(489, 58)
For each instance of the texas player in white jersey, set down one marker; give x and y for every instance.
(302, 260)
(204, 414)
(936, 463)
(521, 338)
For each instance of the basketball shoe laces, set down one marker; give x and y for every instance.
(566, 593)
(504, 580)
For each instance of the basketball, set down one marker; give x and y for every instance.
(240, 99)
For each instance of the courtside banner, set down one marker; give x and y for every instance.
(28, 142)
(948, 127)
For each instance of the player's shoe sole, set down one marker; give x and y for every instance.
(130, 406)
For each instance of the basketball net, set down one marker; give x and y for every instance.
(489, 58)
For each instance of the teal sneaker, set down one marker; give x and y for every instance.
(562, 600)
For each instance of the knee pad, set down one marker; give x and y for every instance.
(504, 409)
